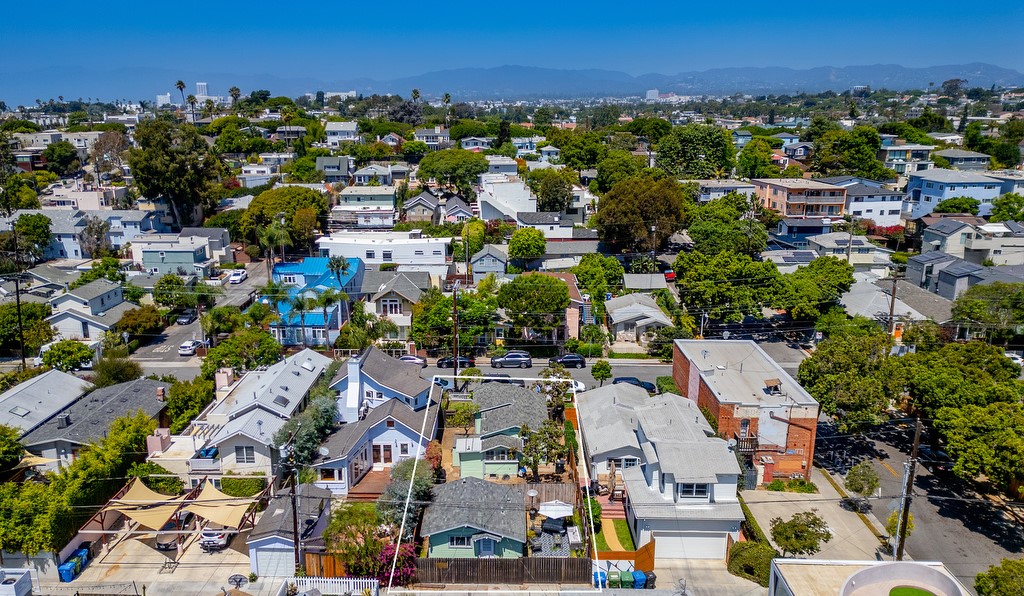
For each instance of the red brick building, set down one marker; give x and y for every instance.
(755, 402)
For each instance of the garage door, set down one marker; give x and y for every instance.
(690, 545)
(275, 562)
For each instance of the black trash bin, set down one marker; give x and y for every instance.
(560, 466)
(650, 580)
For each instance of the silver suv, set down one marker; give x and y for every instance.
(216, 537)
(515, 359)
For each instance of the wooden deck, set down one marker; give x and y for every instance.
(371, 486)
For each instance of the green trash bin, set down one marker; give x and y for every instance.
(613, 579)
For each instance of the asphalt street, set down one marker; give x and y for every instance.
(642, 371)
(951, 523)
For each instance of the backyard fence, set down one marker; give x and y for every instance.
(504, 571)
(331, 586)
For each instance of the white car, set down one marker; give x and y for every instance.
(238, 276)
(1015, 358)
(216, 537)
(189, 348)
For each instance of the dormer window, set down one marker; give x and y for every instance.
(691, 491)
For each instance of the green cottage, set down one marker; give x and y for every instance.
(473, 518)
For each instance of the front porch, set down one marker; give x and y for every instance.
(371, 486)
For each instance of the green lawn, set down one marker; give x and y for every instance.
(622, 533)
(602, 544)
(909, 591)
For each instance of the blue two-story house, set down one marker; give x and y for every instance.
(309, 278)
(386, 416)
(925, 190)
(794, 232)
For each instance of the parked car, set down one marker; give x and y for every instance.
(186, 317)
(502, 378)
(238, 276)
(414, 359)
(936, 460)
(666, 270)
(569, 361)
(449, 362)
(1015, 358)
(445, 384)
(635, 381)
(514, 359)
(216, 537)
(167, 538)
(189, 348)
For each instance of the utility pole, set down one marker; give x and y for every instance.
(892, 305)
(21, 330)
(455, 329)
(295, 509)
(908, 487)
(849, 241)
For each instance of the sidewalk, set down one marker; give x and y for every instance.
(851, 538)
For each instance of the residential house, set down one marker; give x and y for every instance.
(271, 542)
(550, 223)
(87, 197)
(30, 404)
(336, 169)
(753, 400)
(309, 278)
(716, 189)
(496, 529)
(906, 158)
(788, 138)
(373, 174)
(435, 138)
(914, 228)
(67, 227)
(812, 577)
(290, 134)
(492, 258)
(740, 138)
(525, 145)
(500, 164)
(607, 422)
(342, 132)
(801, 197)
(632, 316)
(372, 379)
(682, 496)
(799, 151)
(88, 311)
(952, 138)
(578, 313)
(793, 232)
(276, 159)
(363, 207)
(961, 159)
(948, 236)
(476, 143)
(997, 243)
(455, 209)
(493, 450)
(87, 420)
(855, 250)
(925, 190)
(393, 140)
(256, 174)
(424, 207)
(234, 435)
(789, 260)
(376, 248)
(395, 299)
(563, 255)
(923, 269)
(550, 153)
(502, 196)
(644, 282)
(218, 242)
(866, 199)
(1010, 180)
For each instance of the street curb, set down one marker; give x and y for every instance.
(863, 517)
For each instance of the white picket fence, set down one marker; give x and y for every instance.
(332, 586)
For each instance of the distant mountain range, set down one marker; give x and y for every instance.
(502, 82)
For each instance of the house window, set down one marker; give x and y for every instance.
(744, 427)
(327, 474)
(391, 424)
(245, 454)
(403, 449)
(369, 394)
(963, 238)
(837, 251)
(693, 490)
(863, 251)
(458, 542)
(289, 279)
(371, 255)
(391, 306)
(496, 455)
(387, 255)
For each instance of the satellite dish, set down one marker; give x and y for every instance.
(324, 451)
(731, 443)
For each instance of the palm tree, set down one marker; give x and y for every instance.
(180, 86)
(209, 108)
(191, 100)
(447, 99)
(235, 93)
(275, 294)
(416, 95)
(302, 305)
(325, 301)
(270, 237)
(340, 266)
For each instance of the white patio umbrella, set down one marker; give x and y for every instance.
(555, 509)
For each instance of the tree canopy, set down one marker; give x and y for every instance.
(244, 350)
(1008, 207)
(454, 168)
(535, 302)
(266, 208)
(527, 243)
(958, 205)
(802, 534)
(633, 206)
(696, 151)
(1004, 579)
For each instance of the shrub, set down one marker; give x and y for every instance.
(590, 350)
(389, 266)
(750, 528)
(666, 385)
(570, 437)
(752, 560)
(243, 487)
(776, 485)
(253, 252)
(799, 485)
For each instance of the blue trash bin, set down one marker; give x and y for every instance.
(639, 579)
(600, 579)
(66, 572)
(82, 553)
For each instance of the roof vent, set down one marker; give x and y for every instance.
(307, 365)
(64, 421)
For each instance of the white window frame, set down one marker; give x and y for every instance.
(459, 542)
(245, 454)
(686, 490)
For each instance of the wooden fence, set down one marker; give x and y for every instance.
(504, 571)
(331, 586)
(323, 565)
(642, 558)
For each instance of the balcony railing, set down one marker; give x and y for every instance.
(204, 465)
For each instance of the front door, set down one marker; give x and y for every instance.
(381, 456)
(486, 547)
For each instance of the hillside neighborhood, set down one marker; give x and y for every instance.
(347, 343)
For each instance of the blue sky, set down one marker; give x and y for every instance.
(384, 40)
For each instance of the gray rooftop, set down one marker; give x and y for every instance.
(608, 420)
(647, 503)
(403, 377)
(276, 520)
(632, 306)
(30, 403)
(946, 227)
(933, 256)
(736, 371)
(644, 281)
(452, 203)
(953, 177)
(55, 275)
(503, 406)
(424, 198)
(374, 279)
(401, 285)
(500, 508)
(961, 269)
(927, 303)
(570, 247)
(684, 443)
(94, 289)
(340, 443)
(497, 250)
(106, 319)
(279, 388)
(543, 218)
(259, 425)
(92, 415)
(955, 153)
(203, 232)
(863, 190)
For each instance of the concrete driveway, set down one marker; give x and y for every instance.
(703, 578)
(851, 539)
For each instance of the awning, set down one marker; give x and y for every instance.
(139, 494)
(31, 461)
(215, 506)
(555, 509)
(150, 517)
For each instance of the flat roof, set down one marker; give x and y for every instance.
(738, 371)
(796, 183)
(809, 577)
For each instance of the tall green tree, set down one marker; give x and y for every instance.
(244, 350)
(1008, 207)
(1004, 579)
(697, 151)
(526, 244)
(727, 286)
(535, 302)
(62, 158)
(454, 168)
(170, 290)
(11, 448)
(173, 161)
(69, 354)
(958, 205)
(629, 211)
(34, 235)
(616, 166)
(802, 534)
(755, 160)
